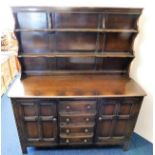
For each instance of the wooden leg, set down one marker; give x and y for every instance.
(126, 146)
(24, 150)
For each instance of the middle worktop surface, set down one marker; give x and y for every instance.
(67, 86)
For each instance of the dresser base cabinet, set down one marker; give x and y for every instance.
(75, 122)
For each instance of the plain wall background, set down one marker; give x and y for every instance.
(142, 71)
(143, 65)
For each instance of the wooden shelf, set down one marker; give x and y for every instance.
(78, 30)
(76, 54)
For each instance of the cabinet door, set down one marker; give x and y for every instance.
(39, 121)
(116, 119)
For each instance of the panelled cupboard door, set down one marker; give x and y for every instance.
(116, 119)
(39, 120)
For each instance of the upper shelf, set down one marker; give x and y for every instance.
(76, 21)
(78, 30)
(76, 54)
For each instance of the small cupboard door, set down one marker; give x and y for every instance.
(39, 120)
(116, 119)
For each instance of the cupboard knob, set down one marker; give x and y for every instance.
(67, 131)
(86, 130)
(67, 140)
(67, 120)
(85, 140)
(88, 107)
(100, 118)
(54, 119)
(87, 119)
(68, 107)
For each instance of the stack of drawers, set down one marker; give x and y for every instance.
(77, 121)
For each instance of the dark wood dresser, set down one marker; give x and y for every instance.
(75, 88)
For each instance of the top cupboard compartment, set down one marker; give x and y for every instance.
(55, 21)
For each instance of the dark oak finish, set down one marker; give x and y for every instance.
(84, 95)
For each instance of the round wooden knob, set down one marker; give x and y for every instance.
(68, 107)
(54, 119)
(67, 120)
(67, 140)
(86, 130)
(100, 118)
(87, 119)
(67, 131)
(85, 140)
(88, 107)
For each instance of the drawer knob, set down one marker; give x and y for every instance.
(67, 120)
(67, 141)
(68, 107)
(54, 119)
(88, 107)
(67, 131)
(85, 140)
(100, 118)
(86, 130)
(87, 119)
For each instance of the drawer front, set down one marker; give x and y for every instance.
(75, 140)
(77, 119)
(82, 106)
(74, 130)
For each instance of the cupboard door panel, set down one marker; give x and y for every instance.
(48, 108)
(49, 130)
(120, 128)
(104, 128)
(32, 131)
(30, 110)
(107, 109)
(125, 109)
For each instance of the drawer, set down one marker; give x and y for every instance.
(76, 140)
(71, 106)
(74, 130)
(86, 119)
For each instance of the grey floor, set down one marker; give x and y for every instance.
(10, 142)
